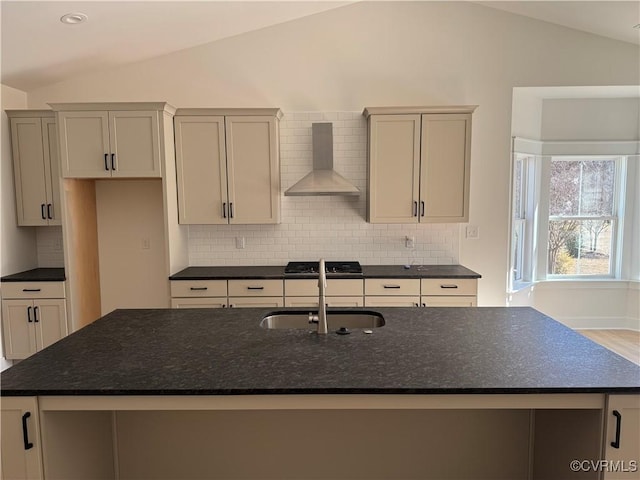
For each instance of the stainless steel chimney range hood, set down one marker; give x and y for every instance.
(322, 180)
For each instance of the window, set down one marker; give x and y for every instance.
(566, 217)
(582, 216)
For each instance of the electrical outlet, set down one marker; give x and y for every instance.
(473, 231)
(409, 242)
(240, 242)
(146, 244)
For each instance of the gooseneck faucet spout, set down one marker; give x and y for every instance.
(322, 302)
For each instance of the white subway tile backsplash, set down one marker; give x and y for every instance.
(331, 227)
(49, 247)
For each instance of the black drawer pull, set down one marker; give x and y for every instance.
(106, 161)
(391, 286)
(199, 288)
(255, 288)
(25, 433)
(449, 286)
(618, 415)
(30, 289)
(29, 320)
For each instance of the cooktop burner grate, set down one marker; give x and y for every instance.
(331, 267)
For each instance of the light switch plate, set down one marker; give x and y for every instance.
(473, 231)
(240, 242)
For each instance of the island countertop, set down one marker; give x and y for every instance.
(486, 350)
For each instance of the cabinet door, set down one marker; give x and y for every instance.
(50, 320)
(29, 170)
(453, 301)
(18, 329)
(20, 439)
(253, 169)
(444, 170)
(622, 437)
(135, 144)
(394, 163)
(84, 144)
(52, 169)
(201, 170)
(391, 301)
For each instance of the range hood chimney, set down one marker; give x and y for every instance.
(323, 180)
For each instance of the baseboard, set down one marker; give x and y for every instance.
(601, 323)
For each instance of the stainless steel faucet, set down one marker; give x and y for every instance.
(322, 302)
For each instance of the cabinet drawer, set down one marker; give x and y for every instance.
(448, 286)
(392, 286)
(335, 287)
(256, 302)
(211, 302)
(255, 288)
(452, 301)
(199, 288)
(33, 290)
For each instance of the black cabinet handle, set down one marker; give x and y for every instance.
(424, 304)
(391, 286)
(113, 161)
(198, 288)
(25, 433)
(415, 208)
(449, 286)
(616, 442)
(49, 211)
(230, 209)
(422, 208)
(36, 319)
(30, 289)
(42, 211)
(224, 209)
(29, 314)
(255, 288)
(106, 161)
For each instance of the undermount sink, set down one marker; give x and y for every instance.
(336, 320)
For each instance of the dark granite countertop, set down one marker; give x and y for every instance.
(37, 275)
(485, 350)
(368, 271)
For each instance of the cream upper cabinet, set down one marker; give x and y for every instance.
(122, 142)
(35, 164)
(419, 164)
(228, 166)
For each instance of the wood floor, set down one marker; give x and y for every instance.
(624, 342)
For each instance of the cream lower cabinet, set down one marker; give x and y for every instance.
(34, 147)
(392, 292)
(199, 294)
(20, 439)
(303, 293)
(622, 438)
(419, 164)
(228, 166)
(34, 316)
(256, 293)
(442, 292)
(110, 140)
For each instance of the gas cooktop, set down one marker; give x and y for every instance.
(301, 268)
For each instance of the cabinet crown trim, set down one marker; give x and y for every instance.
(368, 111)
(272, 112)
(162, 106)
(30, 113)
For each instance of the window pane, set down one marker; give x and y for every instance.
(517, 189)
(580, 247)
(581, 187)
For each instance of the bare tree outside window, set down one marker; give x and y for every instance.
(581, 203)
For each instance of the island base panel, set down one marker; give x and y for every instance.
(336, 444)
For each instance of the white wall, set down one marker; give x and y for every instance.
(386, 53)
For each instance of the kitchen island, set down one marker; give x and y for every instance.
(434, 393)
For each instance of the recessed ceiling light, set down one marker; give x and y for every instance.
(73, 18)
